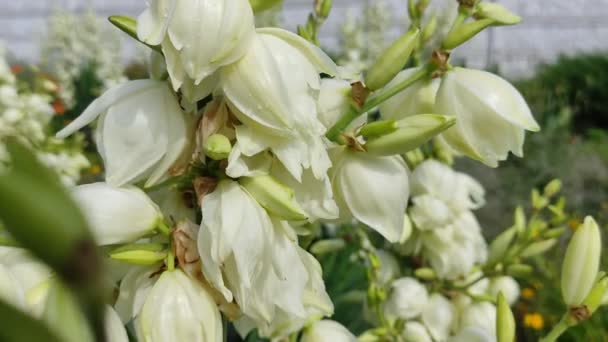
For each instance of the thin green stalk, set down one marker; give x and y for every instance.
(353, 113)
(557, 331)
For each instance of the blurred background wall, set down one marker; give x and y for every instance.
(550, 28)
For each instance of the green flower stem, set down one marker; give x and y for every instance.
(163, 228)
(353, 113)
(557, 331)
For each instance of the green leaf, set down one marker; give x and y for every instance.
(18, 326)
(128, 25)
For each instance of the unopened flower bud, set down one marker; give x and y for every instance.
(323, 8)
(140, 254)
(262, 5)
(425, 273)
(327, 331)
(392, 60)
(500, 245)
(274, 196)
(464, 33)
(505, 322)
(327, 246)
(217, 147)
(538, 248)
(412, 133)
(596, 296)
(520, 270)
(430, 28)
(581, 263)
(553, 188)
(520, 219)
(496, 12)
(378, 128)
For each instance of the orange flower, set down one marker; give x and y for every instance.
(528, 293)
(534, 320)
(59, 107)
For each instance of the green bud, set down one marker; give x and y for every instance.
(500, 245)
(497, 13)
(520, 219)
(595, 297)
(505, 322)
(538, 248)
(553, 188)
(520, 270)
(327, 246)
(412, 133)
(217, 147)
(554, 233)
(412, 10)
(274, 196)
(425, 273)
(128, 25)
(140, 254)
(464, 33)
(392, 60)
(262, 5)
(378, 128)
(430, 28)
(324, 8)
(538, 200)
(581, 263)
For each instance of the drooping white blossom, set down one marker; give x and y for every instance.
(327, 331)
(141, 132)
(407, 299)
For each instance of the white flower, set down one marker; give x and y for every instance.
(178, 308)
(437, 316)
(177, 26)
(507, 285)
(327, 331)
(419, 98)
(141, 131)
(116, 215)
(473, 334)
(115, 330)
(334, 101)
(272, 90)
(415, 332)
(133, 291)
(373, 190)
(389, 267)
(255, 261)
(407, 299)
(10, 288)
(481, 315)
(491, 115)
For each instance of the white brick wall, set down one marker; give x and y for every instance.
(550, 27)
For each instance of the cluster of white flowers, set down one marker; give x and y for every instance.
(74, 43)
(257, 158)
(25, 115)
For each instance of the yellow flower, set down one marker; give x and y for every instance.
(534, 321)
(528, 293)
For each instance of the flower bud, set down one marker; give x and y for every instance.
(407, 299)
(437, 316)
(496, 12)
(425, 273)
(217, 147)
(412, 132)
(596, 296)
(327, 331)
(416, 332)
(327, 246)
(262, 5)
(140, 254)
(500, 245)
(430, 28)
(520, 270)
(538, 248)
(505, 322)
(505, 285)
(581, 263)
(275, 197)
(392, 60)
(415, 99)
(464, 33)
(378, 128)
(553, 188)
(482, 315)
(116, 215)
(178, 308)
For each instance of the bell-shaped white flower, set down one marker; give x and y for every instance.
(327, 331)
(133, 291)
(437, 316)
(419, 98)
(491, 115)
(117, 215)
(481, 315)
(507, 285)
(472, 334)
(272, 90)
(255, 261)
(177, 25)
(416, 332)
(335, 100)
(178, 308)
(407, 300)
(141, 132)
(115, 330)
(373, 190)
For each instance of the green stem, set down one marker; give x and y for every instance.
(557, 331)
(170, 261)
(163, 228)
(353, 113)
